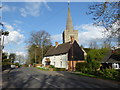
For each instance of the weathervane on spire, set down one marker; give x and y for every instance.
(68, 2)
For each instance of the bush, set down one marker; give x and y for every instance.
(6, 62)
(60, 69)
(89, 68)
(17, 64)
(43, 68)
(81, 67)
(112, 74)
(118, 75)
(51, 66)
(95, 65)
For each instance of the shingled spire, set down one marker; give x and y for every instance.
(69, 25)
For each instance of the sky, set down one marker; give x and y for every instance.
(22, 18)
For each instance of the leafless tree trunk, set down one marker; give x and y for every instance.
(39, 43)
(107, 14)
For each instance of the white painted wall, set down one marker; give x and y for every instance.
(59, 61)
(115, 66)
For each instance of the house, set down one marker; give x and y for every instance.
(112, 60)
(64, 55)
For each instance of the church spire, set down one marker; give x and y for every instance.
(69, 25)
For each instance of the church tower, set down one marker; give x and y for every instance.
(69, 28)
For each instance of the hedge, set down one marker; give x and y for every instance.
(59, 69)
(91, 69)
(88, 67)
(111, 74)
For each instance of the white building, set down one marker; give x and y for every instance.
(65, 55)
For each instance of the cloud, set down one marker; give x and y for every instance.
(87, 33)
(33, 8)
(18, 22)
(21, 53)
(7, 8)
(56, 38)
(14, 36)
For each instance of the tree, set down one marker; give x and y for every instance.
(93, 45)
(40, 38)
(5, 61)
(106, 44)
(20, 58)
(12, 57)
(107, 14)
(97, 54)
(39, 43)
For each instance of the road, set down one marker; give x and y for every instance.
(29, 77)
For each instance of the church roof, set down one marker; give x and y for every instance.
(60, 49)
(69, 25)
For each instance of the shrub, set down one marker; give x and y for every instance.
(60, 69)
(43, 68)
(17, 64)
(111, 74)
(51, 66)
(89, 68)
(6, 62)
(81, 67)
(95, 65)
(118, 75)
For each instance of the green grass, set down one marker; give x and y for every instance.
(93, 76)
(47, 69)
(84, 74)
(44, 69)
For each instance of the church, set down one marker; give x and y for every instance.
(67, 54)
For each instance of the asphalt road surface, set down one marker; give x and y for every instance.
(29, 77)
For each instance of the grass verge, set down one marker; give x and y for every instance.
(93, 76)
(44, 69)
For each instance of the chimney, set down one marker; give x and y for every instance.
(72, 39)
(56, 44)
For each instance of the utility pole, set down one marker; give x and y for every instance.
(42, 49)
(2, 34)
(0, 45)
(36, 46)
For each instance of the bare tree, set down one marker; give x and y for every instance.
(107, 14)
(106, 44)
(93, 45)
(39, 43)
(40, 38)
